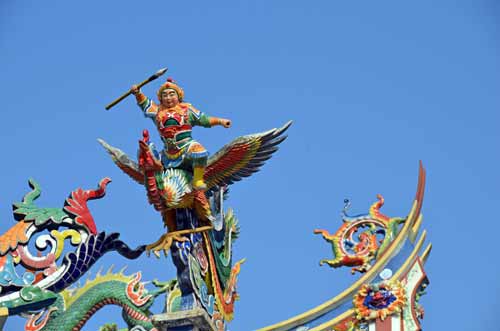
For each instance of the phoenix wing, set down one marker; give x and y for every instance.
(242, 157)
(126, 164)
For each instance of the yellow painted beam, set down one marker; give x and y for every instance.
(412, 257)
(426, 253)
(415, 228)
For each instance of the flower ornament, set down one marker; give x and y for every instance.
(379, 300)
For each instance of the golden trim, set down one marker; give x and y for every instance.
(411, 213)
(411, 258)
(426, 253)
(415, 228)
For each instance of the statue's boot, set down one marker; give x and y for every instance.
(198, 181)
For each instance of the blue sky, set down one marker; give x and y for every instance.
(372, 87)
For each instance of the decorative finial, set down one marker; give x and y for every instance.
(347, 205)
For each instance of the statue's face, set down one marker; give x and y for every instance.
(169, 98)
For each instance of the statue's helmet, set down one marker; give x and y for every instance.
(171, 84)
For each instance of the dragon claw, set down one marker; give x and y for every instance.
(166, 240)
(164, 244)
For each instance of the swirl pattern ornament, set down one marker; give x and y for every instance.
(360, 238)
(75, 236)
(37, 244)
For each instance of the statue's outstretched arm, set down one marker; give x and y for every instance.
(219, 121)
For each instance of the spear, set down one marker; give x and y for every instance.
(150, 79)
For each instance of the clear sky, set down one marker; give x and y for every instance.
(372, 87)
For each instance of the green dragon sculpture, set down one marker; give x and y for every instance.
(72, 308)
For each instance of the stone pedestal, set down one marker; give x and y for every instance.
(187, 320)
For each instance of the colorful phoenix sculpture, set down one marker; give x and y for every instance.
(188, 189)
(201, 238)
(170, 189)
(390, 259)
(182, 176)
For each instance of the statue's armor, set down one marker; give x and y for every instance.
(175, 126)
(175, 130)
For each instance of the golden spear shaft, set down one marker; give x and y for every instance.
(150, 79)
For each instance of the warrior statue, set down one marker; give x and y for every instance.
(187, 186)
(182, 175)
(174, 120)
